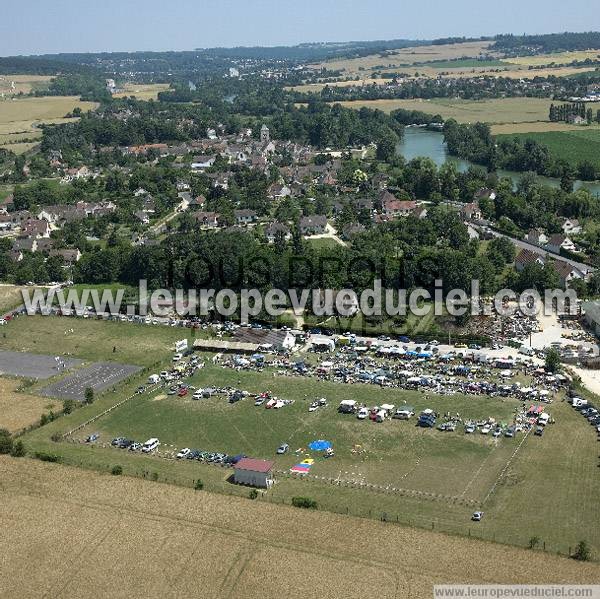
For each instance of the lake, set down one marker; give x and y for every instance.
(418, 141)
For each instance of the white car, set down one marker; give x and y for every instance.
(362, 413)
(183, 453)
(313, 406)
(497, 433)
(477, 516)
(486, 429)
(150, 445)
(197, 394)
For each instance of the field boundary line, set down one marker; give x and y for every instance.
(506, 466)
(107, 411)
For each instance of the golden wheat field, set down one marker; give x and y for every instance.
(70, 533)
(406, 56)
(23, 83)
(20, 410)
(556, 58)
(501, 110)
(142, 92)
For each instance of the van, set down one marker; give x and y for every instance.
(153, 379)
(526, 351)
(579, 403)
(150, 445)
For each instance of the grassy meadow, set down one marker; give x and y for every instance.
(91, 340)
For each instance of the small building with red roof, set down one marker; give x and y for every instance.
(253, 472)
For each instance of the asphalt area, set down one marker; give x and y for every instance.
(34, 366)
(99, 376)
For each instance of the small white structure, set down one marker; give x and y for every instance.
(256, 473)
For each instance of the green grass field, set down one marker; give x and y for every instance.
(575, 146)
(92, 340)
(393, 453)
(548, 488)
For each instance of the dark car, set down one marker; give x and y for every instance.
(126, 443)
(539, 431)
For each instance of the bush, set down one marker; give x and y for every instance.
(18, 450)
(6, 442)
(253, 494)
(89, 396)
(46, 457)
(68, 406)
(56, 437)
(534, 542)
(117, 470)
(154, 476)
(198, 485)
(304, 502)
(582, 552)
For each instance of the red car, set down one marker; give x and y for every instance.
(182, 392)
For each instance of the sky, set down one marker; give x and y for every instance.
(52, 26)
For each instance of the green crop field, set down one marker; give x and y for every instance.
(575, 146)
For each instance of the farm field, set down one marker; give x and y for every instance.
(558, 58)
(138, 537)
(539, 127)
(23, 83)
(406, 56)
(574, 146)
(91, 340)
(19, 118)
(142, 92)
(505, 110)
(19, 410)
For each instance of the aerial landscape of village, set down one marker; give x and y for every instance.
(287, 315)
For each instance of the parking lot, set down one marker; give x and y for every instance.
(99, 376)
(34, 366)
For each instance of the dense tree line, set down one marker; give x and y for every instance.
(476, 143)
(551, 42)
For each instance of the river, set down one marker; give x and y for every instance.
(418, 141)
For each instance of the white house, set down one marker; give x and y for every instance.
(200, 163)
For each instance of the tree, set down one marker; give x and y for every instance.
(198, 485)
(68, 406)
(582, 552)
(386, 145)
(116, 470)
(89, 396)
(6, 442)
(552, 360)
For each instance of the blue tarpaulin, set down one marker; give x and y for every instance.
(319, 445)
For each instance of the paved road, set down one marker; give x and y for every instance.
(538, 250)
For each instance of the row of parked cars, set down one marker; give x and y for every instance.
(123, 443)
(589, 411)
(210, 457)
